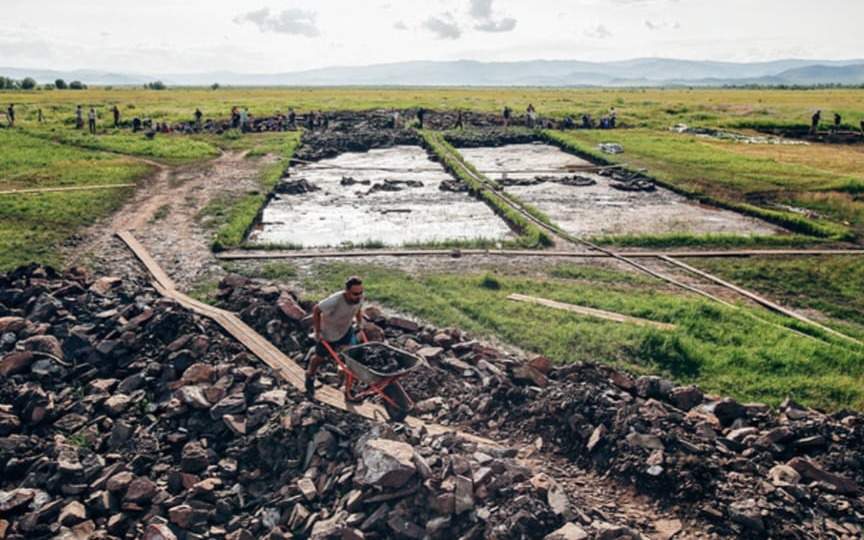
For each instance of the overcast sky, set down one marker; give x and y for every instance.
(269, 36)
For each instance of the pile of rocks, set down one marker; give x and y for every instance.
(749, 470)
(317, 145)
(122, 415)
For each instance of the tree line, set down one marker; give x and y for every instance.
(29, 83)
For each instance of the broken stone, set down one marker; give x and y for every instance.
(158, 531)
(811, 472)
(783, 475)
(307, 488)
(16, 362)
(194, 458)
(464, 495)
(117, 404)
(685, 397)
(72, 513)
(141, 491)
(643, 440)
(570, 531)
(387, 463)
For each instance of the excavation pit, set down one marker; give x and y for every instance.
(382, 198)
(599, 209)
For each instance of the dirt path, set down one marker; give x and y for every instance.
(164, 214)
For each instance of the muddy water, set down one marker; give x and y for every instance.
(599, 209)
(339, 215)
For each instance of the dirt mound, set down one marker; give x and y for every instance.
(476, 138)
(317, 145)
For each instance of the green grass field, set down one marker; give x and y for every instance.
(722, 350)
(637, 107)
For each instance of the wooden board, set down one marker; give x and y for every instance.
(590, 312)
(69, 188)
(241, 254)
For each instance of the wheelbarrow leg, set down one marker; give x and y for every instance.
(398, 410)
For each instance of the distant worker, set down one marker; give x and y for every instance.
(837, 121)
(531, 115)
(421, 115)
(332, 320)
(244, 119)
(79, 117)
(235, 117)
(814, 122)
(613, 117)
(198, 115)
(39, 117)
(507, 114)
(91, 121)
(292, 118)
(136, 125)
(395, 120)
(862, 127)
(586, 121)
(115, 110)
(459, 120)
(10, 115)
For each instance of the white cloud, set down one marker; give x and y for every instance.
(400, 25)
(506, 24)
(662, 25)
(481, 11)
(444, 26)
(597, 32)
(290, 21)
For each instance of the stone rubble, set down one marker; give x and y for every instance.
(123, 415)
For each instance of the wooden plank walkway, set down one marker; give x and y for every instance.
(241, 254)
(286, 367)
(590, 312)
(94, 187)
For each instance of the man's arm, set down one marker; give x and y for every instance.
(316, 321)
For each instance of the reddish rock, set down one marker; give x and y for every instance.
(403, 324)
(72, 513)
(12, 324)
(141, 491)
(16, 362)
(811, 472)
(104, 284)
(158, 531)
(289, 307)
(199, 373)
(541, 364)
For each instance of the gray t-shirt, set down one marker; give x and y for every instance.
(336, 316)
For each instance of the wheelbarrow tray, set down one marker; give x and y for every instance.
(353, 358)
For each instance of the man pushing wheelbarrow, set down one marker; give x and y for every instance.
(377, 365)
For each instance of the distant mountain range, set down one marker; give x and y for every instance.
(553, 73)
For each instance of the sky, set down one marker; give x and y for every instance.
(273, 36)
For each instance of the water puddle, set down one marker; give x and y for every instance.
(599, 209)
(344, 213)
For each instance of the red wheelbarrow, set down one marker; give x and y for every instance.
(350, 362)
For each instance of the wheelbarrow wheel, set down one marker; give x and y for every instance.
(397, 394)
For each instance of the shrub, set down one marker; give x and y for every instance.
(29, 83)
(60, 84)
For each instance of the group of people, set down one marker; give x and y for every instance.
(91, 119)
(816, 119)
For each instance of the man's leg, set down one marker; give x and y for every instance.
(311, 370)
